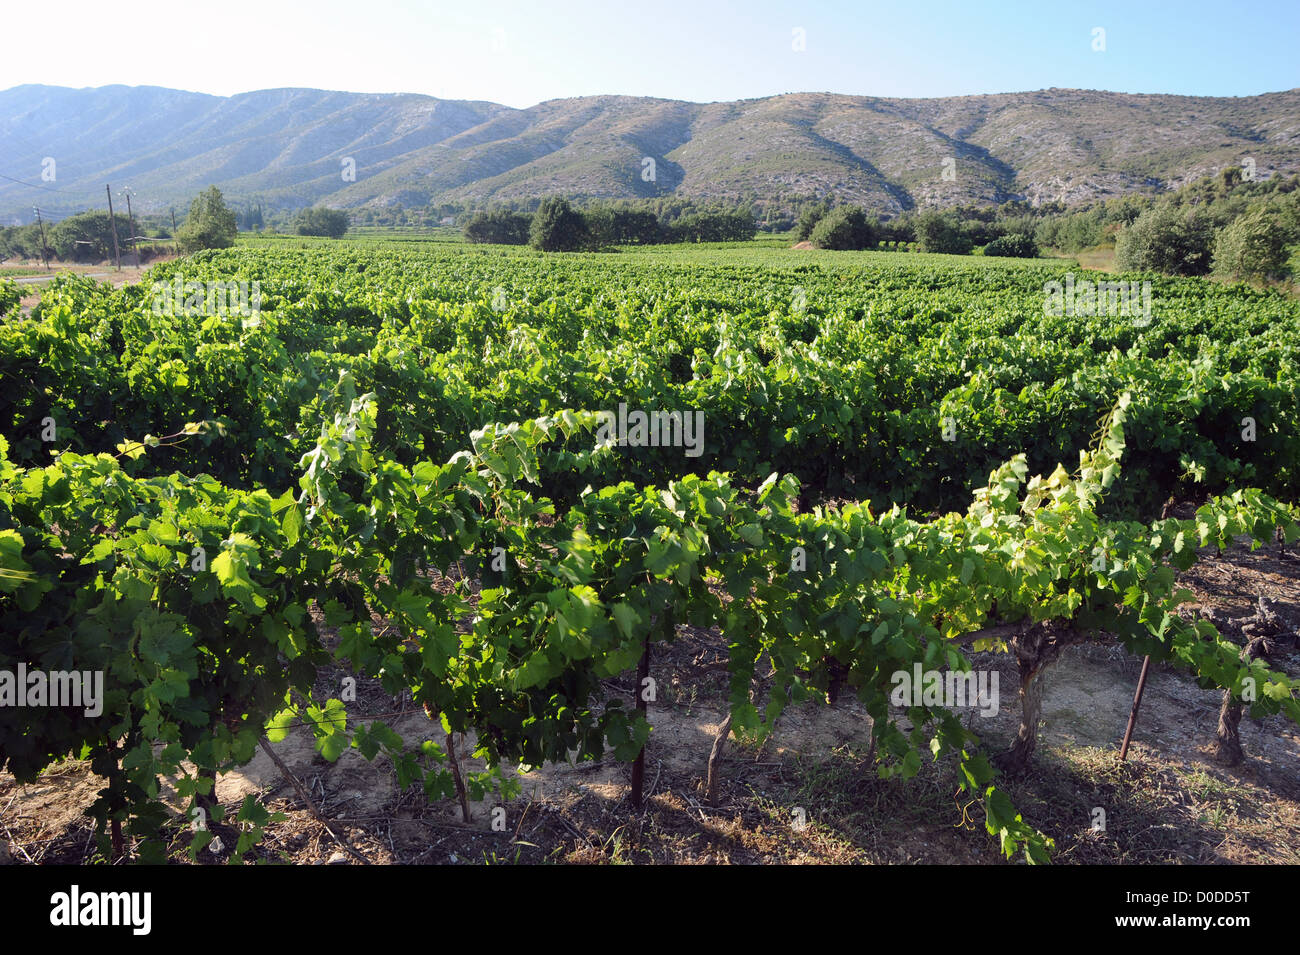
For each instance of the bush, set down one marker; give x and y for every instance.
(1017, 245)
(1074, 232)
(942, 232)
(1252, 246)
(332, 223)
(500, 227)
(557, 227)
(9, 296)
(1166, 239)
(88, 237)
(847, 228)
(210, 224)
(22, 241)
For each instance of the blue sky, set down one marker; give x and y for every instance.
(522, 53)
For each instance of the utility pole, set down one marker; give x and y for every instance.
(175, 243)
(130, 217)
(112, 224)
(45, 252)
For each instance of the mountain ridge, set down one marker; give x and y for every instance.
(289, 147)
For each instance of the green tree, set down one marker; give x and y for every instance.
(332, 223)
(1166, 239)
(1252, 246)
(23, 241)
(714, 225)
(499, 227)
(845, 228)
(87, 236)
(557, 227)
(809, 216)
(637, 227)
(942, 232)
(610, 224)
(210, 224)
(602, 230)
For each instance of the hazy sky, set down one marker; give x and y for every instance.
(522, 53)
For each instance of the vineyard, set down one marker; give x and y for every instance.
(422, 466)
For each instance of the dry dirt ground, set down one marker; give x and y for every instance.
(809, 794)
(31, 284)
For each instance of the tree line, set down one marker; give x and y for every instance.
(1223, 224)
(845, 227)
(559, 226)
(209, 224)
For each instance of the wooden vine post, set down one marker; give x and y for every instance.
(454, 762)
(115, 825)
(456, 778)
(638, 767)
(1133, 714)
(715, 762)
(713, 771)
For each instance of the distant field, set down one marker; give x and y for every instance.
(770, 252)
(766, 250)
(365, 235)
(1100, 258)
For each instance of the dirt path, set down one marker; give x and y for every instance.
(35, 279)
(33, 283)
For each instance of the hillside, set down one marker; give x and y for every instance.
(286, 146)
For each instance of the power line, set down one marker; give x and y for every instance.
(54, 216)
(33, 185)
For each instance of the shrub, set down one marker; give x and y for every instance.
(332, 223)
(1016, 245)
(1166, 239)
(942, 232)
(22, 241)
(845, 228)
(88, 237)
(1251, 246)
